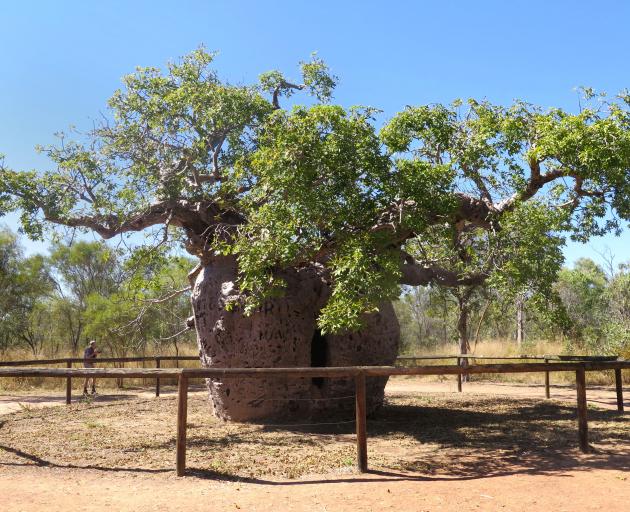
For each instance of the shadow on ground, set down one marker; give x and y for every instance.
(416, 438)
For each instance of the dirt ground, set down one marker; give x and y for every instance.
(494, 447)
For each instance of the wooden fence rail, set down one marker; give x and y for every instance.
(401, 359)
(158, 359)
(359, 373)
(62, 360)
(69, 361)
(32, 362)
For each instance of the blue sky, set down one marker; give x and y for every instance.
(62, 60)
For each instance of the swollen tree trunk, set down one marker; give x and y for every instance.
(283, 333)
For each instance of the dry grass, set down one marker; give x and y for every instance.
(496, 348)
(508, 348)
(442, 434)
(28, 384)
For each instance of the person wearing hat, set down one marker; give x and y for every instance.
(89, 355)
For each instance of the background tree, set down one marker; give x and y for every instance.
(82, 269)
(617, 331)
(149, 307)
(55, 304)
(583, 293)
(26, 284)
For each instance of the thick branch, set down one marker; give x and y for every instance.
(414, 274)
(283, 86)
(535, 183)
(477, 179)
(108, 226)
(194, 217)
(474, 210)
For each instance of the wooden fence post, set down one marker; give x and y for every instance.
(547, 390)
(68, 385)
(580, 381)
(459, 376)
(619, 388)
(157, 381)
(182, 416)
(361, 421)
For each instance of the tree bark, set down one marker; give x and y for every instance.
(480, 323)
(462, 328)
(282, 333)
(520, 321)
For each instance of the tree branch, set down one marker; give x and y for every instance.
(535, 183)
(179, 333)
(168, 296)
(283, 85)
(415, 274)
(195, 217)
(478, 181)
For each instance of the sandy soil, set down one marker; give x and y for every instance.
(35, 399)
(600, 396)
(55, 490)
(530, 480)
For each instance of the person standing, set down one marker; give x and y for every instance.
(89, 356)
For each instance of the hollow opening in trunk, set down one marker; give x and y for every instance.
(319, 348)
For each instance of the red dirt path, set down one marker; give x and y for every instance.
(589, 488)
(34, 488)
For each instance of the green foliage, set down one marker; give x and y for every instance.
(492, 147)
(583, 293)
(483, 190)
(147, 305)
(86, 268)
(527, 251)
(316, 79)
(363, 278)
(88, 290)
(586, 310)
(321, 176)
(25, 284)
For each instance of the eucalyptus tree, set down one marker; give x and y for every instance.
(301, 218)
(81, 269)
(617, 334)
(26, 286)
(146, 309)
(583, 293)
(10, 255)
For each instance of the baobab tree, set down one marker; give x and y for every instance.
(303, 219)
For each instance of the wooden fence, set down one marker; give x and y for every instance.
(461, 358)
(358, 373)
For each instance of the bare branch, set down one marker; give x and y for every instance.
(215, 156)
(283, 85)
(168, 296)
(185, 329)
(477, 179)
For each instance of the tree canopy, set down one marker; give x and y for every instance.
(227, 171)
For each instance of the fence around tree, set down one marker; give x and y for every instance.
(461, 360)
(358, 373)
